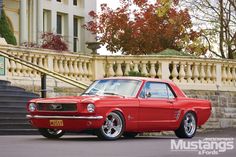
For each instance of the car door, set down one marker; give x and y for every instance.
(156, 106)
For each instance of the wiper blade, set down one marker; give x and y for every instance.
(110, 93)
(89, 94)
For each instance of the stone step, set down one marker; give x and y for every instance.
(15, 114)
(12, 108)
(13, 120)
(2, 88)
(13, 93)
(11, 98)
(4, 83)
(19, 132)
(15, 126)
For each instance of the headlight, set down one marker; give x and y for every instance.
(32, 107)
(90, 108)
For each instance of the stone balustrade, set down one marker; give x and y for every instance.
(187, 72)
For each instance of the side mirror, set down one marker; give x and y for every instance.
(148, 95)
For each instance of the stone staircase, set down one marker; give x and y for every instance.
(13, 110)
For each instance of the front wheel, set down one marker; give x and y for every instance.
(187, 127)
(51, 133)
(112, 128)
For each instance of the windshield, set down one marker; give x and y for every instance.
(121, 87)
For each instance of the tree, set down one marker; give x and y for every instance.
(217, 19)
(149, 28)
(5, 30)
(53, 41)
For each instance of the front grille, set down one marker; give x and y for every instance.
(57, 107)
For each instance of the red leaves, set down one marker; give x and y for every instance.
(142, 31)
(53, 42)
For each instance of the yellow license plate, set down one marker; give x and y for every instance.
(56, 122)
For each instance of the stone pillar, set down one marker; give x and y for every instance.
(39, 20)
(34, 21)
(23, 21)
(70, 26)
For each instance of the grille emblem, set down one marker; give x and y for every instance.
(55, 106)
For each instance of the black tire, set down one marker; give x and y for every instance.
(51, 133)
(130, 134)
(186, 130)
(113, 127)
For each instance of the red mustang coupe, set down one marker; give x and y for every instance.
(126, 106)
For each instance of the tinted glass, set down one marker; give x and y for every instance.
(156, 90)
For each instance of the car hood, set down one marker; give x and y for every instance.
(75, 99)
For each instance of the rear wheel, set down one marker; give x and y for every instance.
(51, 133)
(112, 128)
(187, 127)
(130, 134)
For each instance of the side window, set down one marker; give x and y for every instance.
(156, 90)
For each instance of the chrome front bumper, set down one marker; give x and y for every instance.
(64, 117)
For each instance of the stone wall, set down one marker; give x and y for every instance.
(223, 107)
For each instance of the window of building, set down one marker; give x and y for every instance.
(46, 20)
(75, 2)
(59, 24)
(76, 39)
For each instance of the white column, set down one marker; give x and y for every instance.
(70, 26)
(39, 20)
(23, 21)
(34, 22)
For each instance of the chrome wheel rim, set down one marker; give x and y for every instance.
(112, 127)
(54, 131)
(189, 124)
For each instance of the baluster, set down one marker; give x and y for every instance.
(66, 68)
(55, 65)
(229, 75)
(61, 68)
(152, 72)
(81, 70)
(76, 70)
(182, 72)
(71, 69)
(18, 66)
(224, 75)
(196, 73)
(202, 74)
(127, 67)
(159, 71)
(85, 70)
(110, 69)
(12, 67)
(135, 66)
(234, 75)
(208, 73)
(213, 76)
(90, 72)
(189, 73)
(24, 68)
(34, 72)
(144, 68)
(119, 70)
(174, 73)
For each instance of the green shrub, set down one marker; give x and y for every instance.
(5, 30)
(135, 73)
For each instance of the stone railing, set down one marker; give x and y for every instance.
(189, 73)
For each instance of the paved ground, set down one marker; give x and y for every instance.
(90, 146)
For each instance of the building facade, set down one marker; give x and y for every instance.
(30, 18)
